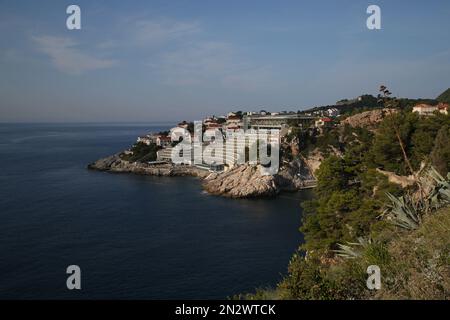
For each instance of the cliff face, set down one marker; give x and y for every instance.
(241, 182)
(368, 119)
(246, 181)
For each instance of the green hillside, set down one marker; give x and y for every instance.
(445, 96)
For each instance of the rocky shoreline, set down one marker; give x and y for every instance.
(244, 181)
(115, 164)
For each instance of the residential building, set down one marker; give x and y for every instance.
(443, 108)
(233, 120)
(323, 122)
(164, 154)
(333, 112)
(147, 139)
(163, 141)
(426, 109)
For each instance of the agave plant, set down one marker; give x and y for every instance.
(407, 211)
(440, 195)
(349, 250)
(404, 212)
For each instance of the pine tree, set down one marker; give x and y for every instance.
(440, 156)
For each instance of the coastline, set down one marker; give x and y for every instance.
(244, 181)
(115, 164)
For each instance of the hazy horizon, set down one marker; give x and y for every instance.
(162, 62)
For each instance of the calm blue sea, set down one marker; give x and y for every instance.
(134, 237)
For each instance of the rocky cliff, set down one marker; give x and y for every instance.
(368, 119)
(246, 181)
(240, 182)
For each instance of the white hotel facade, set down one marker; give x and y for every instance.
(230, 148)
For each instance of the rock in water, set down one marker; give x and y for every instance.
(244, 181)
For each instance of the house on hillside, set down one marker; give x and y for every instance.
(233, 121)
(163, 141)
(147, 139)
(323, 122)
(212, 123)
(426, 109)
(333, 112)
(443, 108)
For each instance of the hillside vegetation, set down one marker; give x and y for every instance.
(445, 96)
(359, 218)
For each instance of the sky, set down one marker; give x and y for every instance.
(163, 61)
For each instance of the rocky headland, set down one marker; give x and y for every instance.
(242, 181)
(246, 181)
(116, 164)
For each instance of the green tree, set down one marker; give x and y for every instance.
(331, 176)
(391, 148)
(142, 152)
(440, 155)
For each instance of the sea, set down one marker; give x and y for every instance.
(132, 236)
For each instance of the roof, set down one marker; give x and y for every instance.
(214, 125)
(423, 105)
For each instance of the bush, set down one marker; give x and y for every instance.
(142, 152)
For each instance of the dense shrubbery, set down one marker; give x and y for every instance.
(414, 265)
(418, 135)
(350, 198)
(142, 152)
(445, 96)
(311, 139)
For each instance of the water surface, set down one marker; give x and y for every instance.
(135, 237)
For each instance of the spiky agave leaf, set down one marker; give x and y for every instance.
(406, 212)
(403, 212)
(348, 251)
(440, 194)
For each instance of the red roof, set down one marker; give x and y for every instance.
(326, 119)
(442, 106)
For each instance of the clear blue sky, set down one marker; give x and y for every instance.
(172, 60)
